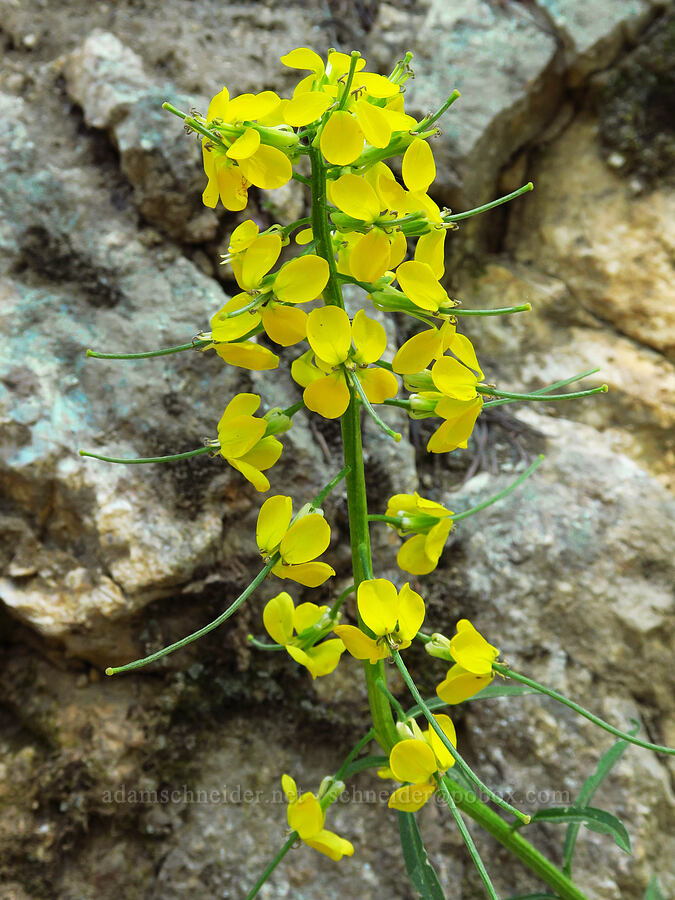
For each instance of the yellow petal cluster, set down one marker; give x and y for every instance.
(339, 347)
(393, 616)
(473, 657)
(429, 522)
(298, 541)
(291, 625)
(236, 157)
(306, 816)
(243, 440)
(416, 760)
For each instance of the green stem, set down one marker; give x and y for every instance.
(459, 760)
(400, 712)
(272, 866)
(355, 56)
(390, 520)
(501, 311)
(500, 496)
(193, 345)
(468, 840)
(541, 689)
(508, 395)
(353, 753)
(513, 841)
(260, 645)
(382, 425)
(486, 206)
(549, 387)
(149, 459)
(357, 504)
(231, 609)
(429, 120)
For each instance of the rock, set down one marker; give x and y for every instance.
(611, 249)
(467, 46)
(593, 35)
(108, 81)
(559, 338)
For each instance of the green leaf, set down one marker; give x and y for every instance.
(534, 897)
(502, 690)
(365, 762)
(654, 891)
(598, 820)
(420, 871)
(588, 789)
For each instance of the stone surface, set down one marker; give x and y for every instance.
(99, 565)
(594, 34)
(466, 46)
(613, 250)
(559, 338)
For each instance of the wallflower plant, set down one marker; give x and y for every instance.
(342, 123)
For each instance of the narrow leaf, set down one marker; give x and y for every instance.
(365, 762)
(420, 871)
(596, 819)
(654, 891)
(534, 897)
(588, 789)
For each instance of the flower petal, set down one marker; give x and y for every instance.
(257, 260)
(463, 349)
(240, 405)
(265, 453)
(377, 600)
(411, 612)
(306, 816)
(341, 139)
(303, 58)
(286, 325)
(322, 659)
(417, 352)
(459, 685)
(218, 106)
(370, 256)
(278, 617)
(412, 556)
(470, 650)
(302, 279)
(268, 168)
(430, 249)
(369, 336)
(374, 124)
(237, 435)
(306, 539)
(329, 333)
(454, 379)
(306, 107)
(355, 197)
(310, 574)
(420, 285)
(359, 645)
(248, 355)
(378, 384)
(418, 167)
(328, 395)
(412, 760)
(245, 145)
(331, 845)
(411, 797)
(441, 752)
(273, 521)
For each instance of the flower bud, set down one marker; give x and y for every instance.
(439, 646)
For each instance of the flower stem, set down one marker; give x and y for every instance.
(148, 459)
(541, 689)
(272, 866)
(500, 496)
(468, 840)
(193, 345)
(486, 206)
(513, 841)
(429, 120)
(501, 311)
(508, 395)
(459, 760)
(371, 411)
(231, 609)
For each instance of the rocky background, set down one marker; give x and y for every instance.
(104, 243)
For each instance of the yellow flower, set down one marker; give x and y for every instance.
(274, 296)
(416, 760)
(394, 618)
(306, 816)
(419, 283)
(472, 671)
(238, 158)
(331, 335)
(298, 542)
(421, 349)
(429, 522)
(243, 443)
(382, 247)
(292, 626)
